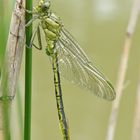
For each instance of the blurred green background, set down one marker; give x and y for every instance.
(99, 26)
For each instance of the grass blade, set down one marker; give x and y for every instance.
(28, 76)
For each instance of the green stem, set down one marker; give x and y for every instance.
(28, 76)
(20, 112)
(6, 119)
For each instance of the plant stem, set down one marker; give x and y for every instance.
(20, 112)
(6, 105)
(122, 70)
(136, 122)
(10, 69)
(28, 76)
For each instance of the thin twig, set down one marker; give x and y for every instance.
(13, 57)
(122, 70)
(136, 127)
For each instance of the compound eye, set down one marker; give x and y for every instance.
(45, 6)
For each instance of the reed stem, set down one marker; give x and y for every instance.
(28, 76)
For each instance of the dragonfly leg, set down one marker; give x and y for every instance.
(36, 31)
(27, 11)
(31, 21)
(32, 39)
(39, 38)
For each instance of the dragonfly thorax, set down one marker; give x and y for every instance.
(51, 27)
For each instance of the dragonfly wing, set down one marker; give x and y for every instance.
(75, 66)
(73, 45)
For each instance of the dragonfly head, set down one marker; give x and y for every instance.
(46, 5)
(43, 6)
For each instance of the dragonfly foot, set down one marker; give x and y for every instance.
(29, 47)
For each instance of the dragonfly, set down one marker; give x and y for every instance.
(67, 59)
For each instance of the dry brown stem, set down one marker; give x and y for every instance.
(13, 57)
(123, 70)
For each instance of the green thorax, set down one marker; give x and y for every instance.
(50, 24)
(52, 28)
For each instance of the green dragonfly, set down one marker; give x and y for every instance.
(67, 58)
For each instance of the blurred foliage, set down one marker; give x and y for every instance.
(5, 16)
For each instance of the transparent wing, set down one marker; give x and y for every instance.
(75, 66)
